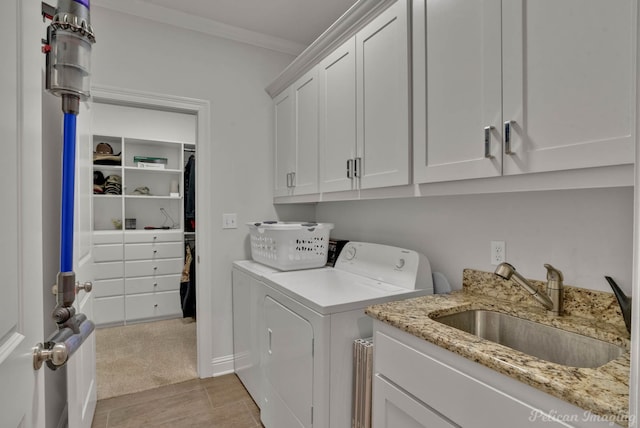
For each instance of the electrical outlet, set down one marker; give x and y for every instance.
(230, 221)
(498, 252)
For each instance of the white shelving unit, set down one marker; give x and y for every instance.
(144, 208)
(138, 270)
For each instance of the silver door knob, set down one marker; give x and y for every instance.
(86, 287)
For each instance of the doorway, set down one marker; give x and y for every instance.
(166, 330)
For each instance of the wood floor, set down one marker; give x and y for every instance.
(219, 402)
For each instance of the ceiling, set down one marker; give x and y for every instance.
(298, 21)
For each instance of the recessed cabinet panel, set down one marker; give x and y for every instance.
(305, 180)
(338, 118)
(108, 287)
(152, 267)
(108, 310)
(107, 253)
(109, 270)
(394, 408)
(152, 237)
(152, 284)
(153, 305)
(462, 90)
(153, 251)
(383, 100)
(284, 142)
(569, 83)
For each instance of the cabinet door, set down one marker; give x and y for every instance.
(458, 64)
(305, 90)
(284, 142)
(383, 99)
(337, 117)
(569, 83)
(393, 408)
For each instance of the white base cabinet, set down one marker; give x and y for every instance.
(423, 385)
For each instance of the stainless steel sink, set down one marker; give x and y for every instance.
(538, 340)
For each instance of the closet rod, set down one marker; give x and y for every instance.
(189, 150)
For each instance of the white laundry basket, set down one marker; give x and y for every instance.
(290, 245)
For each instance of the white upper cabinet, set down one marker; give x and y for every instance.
(338, 118)
(458, 107)
(382, 64)
(558, 75)
(296, 136)
(305, 90)
(569, 83)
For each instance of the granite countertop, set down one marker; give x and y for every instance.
(603, 390)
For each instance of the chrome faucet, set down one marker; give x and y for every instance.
(554, 297)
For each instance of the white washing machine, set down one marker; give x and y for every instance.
(309, 320)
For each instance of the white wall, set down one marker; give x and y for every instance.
(585, 233)
(134, 53)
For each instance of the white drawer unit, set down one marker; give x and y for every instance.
(107, 253)
(137, 275)
(152, 284)
(154, 305)
(164, 250)
(144, 237)
(152, 267)
(108, 287)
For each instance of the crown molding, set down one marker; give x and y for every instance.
(210, 27)
(345, 27)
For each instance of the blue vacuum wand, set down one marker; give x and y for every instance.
(68, 58)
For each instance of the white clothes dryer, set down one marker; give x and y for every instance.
(308, 322)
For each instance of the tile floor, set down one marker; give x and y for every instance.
(219, 402)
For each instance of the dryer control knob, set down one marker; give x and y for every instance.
(350, 253)
(400, 264)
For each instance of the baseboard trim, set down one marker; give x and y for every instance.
(222, 365)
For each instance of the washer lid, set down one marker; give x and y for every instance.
(329, 290)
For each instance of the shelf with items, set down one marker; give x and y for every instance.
(154, 212)
(152, 150)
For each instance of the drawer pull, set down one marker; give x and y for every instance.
(155, 306)
(155, 251)
(155, 268)
(155, 284)
(155, 237)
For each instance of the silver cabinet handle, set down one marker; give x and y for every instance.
(288, 179)
(293, 179)
(270, 334)
(507, 137)
(349, 168)
(357, 170)
(487, 141)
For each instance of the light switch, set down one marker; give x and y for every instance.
(230, 221)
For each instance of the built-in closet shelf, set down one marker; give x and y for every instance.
(153, 170)
(151, 197)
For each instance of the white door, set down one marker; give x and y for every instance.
(459, 48)
(284, 142)
(337, 77)
(81, 368)
(21, 312)
(382, 63)
(569, 83)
